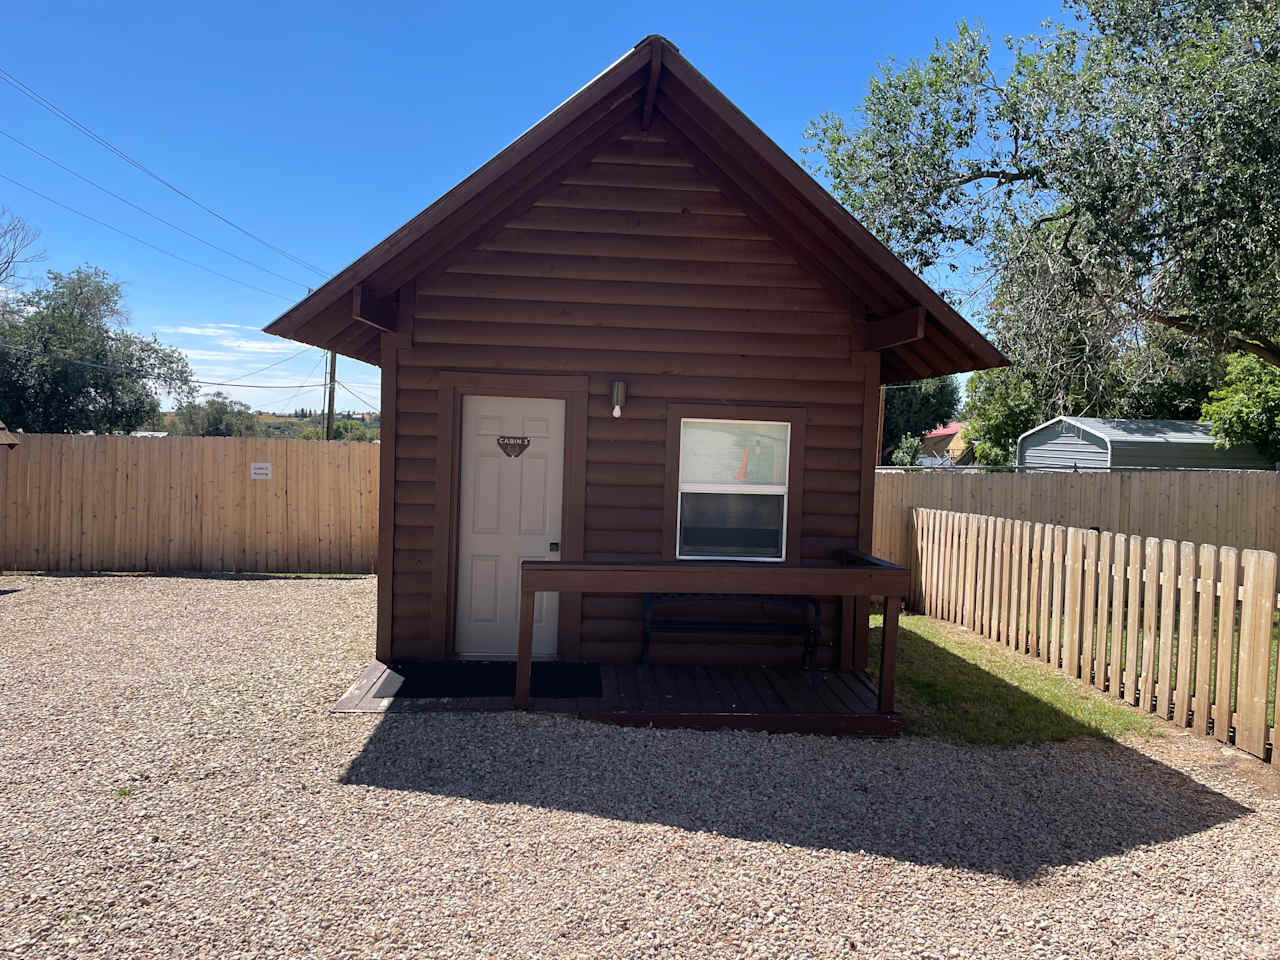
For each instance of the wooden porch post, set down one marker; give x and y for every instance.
(854, 623)
(861, 629)
(524, 652)
(889, 653)
(846, 634)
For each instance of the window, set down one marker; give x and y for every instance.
(733, 489)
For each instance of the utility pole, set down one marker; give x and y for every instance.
(333, 377)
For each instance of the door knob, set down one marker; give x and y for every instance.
(554, 546)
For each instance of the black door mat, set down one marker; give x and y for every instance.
(489, 678)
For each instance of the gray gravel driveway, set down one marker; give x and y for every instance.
(172, 785)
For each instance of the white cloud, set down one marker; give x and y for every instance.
(205, 329)
(208, 356)
(274, 345)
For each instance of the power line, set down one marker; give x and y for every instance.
(156, 217)
(145, 243)
(148, 376)
(311, 374)
(292, 356)
(106, 144)
(372, 406)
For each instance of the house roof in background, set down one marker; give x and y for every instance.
(954, 427)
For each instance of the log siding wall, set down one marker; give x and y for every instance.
(636, 267)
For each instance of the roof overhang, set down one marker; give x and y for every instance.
(916, 331)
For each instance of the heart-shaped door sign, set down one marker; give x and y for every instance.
(513, 446)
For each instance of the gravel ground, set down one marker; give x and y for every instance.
(173, 785)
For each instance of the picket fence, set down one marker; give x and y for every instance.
(188, 503)
(1184, 630)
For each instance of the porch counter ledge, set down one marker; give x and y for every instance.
(867, 576)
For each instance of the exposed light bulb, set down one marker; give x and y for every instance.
(617, 411)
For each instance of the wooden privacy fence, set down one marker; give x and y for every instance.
(188, 503)
(1183, 630)
(1240, 507)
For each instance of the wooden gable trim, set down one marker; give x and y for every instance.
(651, 84)
(543, 172)
(499, 209)
(473, 186)
(651, 88)
(831, 211)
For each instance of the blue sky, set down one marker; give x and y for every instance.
(323, 127)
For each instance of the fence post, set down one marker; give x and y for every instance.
(1168, 614)
(1257, 612)
(1100, 573)
(1224, 695)
(1071, 603)
(1186, 655)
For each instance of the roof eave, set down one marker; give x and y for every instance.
(613, 76)
(960, 347)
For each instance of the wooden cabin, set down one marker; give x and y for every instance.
(641, 344)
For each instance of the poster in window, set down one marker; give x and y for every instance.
(733, 452)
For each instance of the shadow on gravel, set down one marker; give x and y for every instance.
(188, 575)
(1009, 811)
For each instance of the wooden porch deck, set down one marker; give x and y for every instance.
(778, 699)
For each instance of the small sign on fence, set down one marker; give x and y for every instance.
(260, 471)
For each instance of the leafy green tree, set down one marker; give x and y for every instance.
(1246, 408)
(349, 430)
(1159, 379)
(1066, 361)
(916, 408)
(216, 415)
(69, 364)
(354, 430)
(1001, 405)
(1138, 139)
(1109, 202)
(907, 451)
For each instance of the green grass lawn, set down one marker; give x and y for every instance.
(958, 686)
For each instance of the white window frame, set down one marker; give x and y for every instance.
(772, 490)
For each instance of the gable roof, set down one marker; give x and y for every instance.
(1166, 444)
(1138, 431)
(919, 334)
(951, 428)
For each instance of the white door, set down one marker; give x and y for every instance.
(509, 510)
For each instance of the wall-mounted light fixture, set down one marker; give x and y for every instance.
(618, 394)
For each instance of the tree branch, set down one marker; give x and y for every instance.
(1263, 347)
(1002, 176)
(1052, 217)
